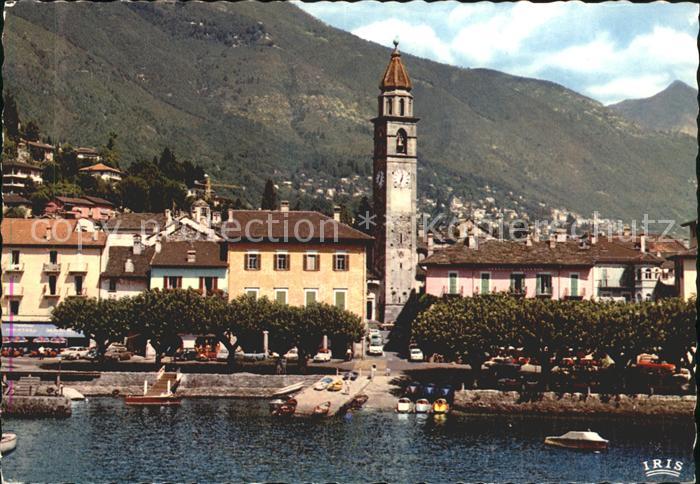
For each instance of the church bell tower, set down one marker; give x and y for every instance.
(394, 187)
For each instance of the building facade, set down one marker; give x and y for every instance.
(395, 189)
(106, 173)
(200, 265)
(18, 176)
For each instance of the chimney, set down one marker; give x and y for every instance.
(191, 255)
(284, 206)
(158, 246)
(168, 216)
(626, 231)
(528, 240)
(137, 246)
(336, 213)
(594, 238)
(230, 215)
(216, 218)
(535, 234)
(642, 243)
(430, 244)
(552, 241)
(129, 265)
(561, 235)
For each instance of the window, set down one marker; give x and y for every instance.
(311, 261)
(52, 285)
(208, 284)
(452, 278)
(544, 284)
(172, 282)
(485, 283)
(281, 261)
(281, 295)
(15, 257)
(573, 280)
(402, 107)
(310, 296)
(517, 283)
(78, 285)
(340, 261)
(53, 257)
(401, 141)
(14, 307)
(252, 292)
(112, 284)
(389, 109)
(252, 261)
(340, 298)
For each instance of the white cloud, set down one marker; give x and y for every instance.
(629, 88)
(418, 39)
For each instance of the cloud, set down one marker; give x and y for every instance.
(635, 87)
(418, 39)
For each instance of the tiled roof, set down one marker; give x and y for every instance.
(14, 199)
(292, 226)
(207, 254)
(74, 201)
(129, 222)
(395, 76)
(510, 253)
(39, 144)
(18, 232)
(86, 150)
(654, 243)
(118, 256)
(100, 167)
(98, 201)
(689, 253)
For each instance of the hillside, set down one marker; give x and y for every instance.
(254, 90)
(673, 109)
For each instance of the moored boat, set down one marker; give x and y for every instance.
(404, 405)
(441, 407)
(322, 409)
(152, 400)
(358, 401)
(429, 390)
(578, 440)
(8, 443)
(413, 390)
(422, 406)
(276, 404)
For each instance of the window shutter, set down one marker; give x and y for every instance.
(201, 283)
(245, 262)
(306, 262)
(347, 262)
(165, 282)
(318, 262)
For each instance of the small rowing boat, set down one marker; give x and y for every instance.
(422, 406)
(578, 440)
(289, 389)
(8, 443)
(440, 407)
(322, 409)
(358, 401)
(404, 405)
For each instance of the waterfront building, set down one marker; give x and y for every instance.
(127, 269)
(395, 189)
(555, 268)
(106, 173)
(685, 262)
(297, 257)
(18, 176)
(194, 264)
(45, 261)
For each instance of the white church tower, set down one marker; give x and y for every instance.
(395, 189)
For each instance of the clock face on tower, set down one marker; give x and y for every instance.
(401, 178)
(379, 179)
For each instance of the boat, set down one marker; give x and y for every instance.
(286, 409)
(322, 409)
(440, 407)
(354, 375)
(276, 404)
(289, 389)
(422, 406)
(8, 443)
(429, 390)
(358, 401)
(404, 405)
(413, 389)
(153, 400)
(578, 440)
(446, 392)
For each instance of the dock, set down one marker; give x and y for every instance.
(309, 398)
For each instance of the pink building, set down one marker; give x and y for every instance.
(94, 208)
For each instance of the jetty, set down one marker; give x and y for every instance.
(308, 399)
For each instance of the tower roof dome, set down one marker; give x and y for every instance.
(395, 76)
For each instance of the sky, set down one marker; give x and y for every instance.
(608, 51)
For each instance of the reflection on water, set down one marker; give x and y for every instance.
(229, 440)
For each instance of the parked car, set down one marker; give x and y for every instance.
(375, 350)
(376, 340)
(654, 363)
(323, 355)
(415, 354)
(323, 383)
(74, 352)
(118, 352)
(186, 355)
(292, 355)
(373, 332)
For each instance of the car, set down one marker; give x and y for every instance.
(336, 386)
(92, 355)
(654, 363)
(222, 354)
(376, 340)
(74, 352)
(323, 355)
(415, 354)
(375, 350)
(117, 352)
(373, 332)
(323, 383)
(292, 355)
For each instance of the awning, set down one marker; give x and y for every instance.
(34, 330)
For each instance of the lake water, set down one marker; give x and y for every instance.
(236, 441)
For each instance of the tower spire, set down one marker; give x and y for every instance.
(395, 76)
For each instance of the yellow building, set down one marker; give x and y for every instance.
(43, 262)
(296, 258)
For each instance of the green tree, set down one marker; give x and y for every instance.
(269, 198)
(16, 212)
(363, 216)
(134, 193)
(109, 152)
(10, 117)
(32, 131)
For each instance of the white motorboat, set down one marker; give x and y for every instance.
(8, 443)
(578, 440)
(423, 406)
(404, 405)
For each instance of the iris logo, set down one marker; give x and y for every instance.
(662, 467)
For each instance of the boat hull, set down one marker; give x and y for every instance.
(576, 444)
(422, 407)
(153, 401)
(403, 408)
(8, 444)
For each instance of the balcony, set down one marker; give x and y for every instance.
(580, 294)
(544, 293)
(13, 268)
(13, 291)
(447, 293)
(51, 268)
(78, 268)
(75, 292)
(48, 293)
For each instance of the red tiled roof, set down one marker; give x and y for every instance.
(74, 201)
(292, 226)
(395, 76)
(98, 201)
(61, 232)
(119, 255)
(100, 167)
(39, 144)
(207, 254)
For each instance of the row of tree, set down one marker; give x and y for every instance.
(475, 328)
(160, 316)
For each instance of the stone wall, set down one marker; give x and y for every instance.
(36, 406)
